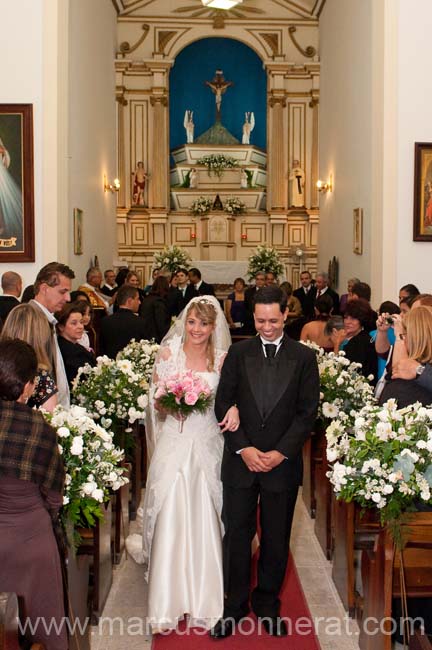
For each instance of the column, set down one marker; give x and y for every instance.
(314, 103)
(277, 169)
(158, 183)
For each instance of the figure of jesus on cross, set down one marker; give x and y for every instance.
(218, 86)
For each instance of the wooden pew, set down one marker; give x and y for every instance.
(77, 606)
(323, 503)
(352, 532)
(312, 454)
(381, 577)
(96, 542)
(8, 621)
(121, 517)
(136, 476)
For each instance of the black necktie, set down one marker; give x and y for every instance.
(270, 349)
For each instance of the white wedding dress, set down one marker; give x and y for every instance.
(182, 528)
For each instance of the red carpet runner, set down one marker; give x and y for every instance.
(293, 608)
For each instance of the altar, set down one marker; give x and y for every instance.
(222, 272)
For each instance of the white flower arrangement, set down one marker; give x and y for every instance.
(112, 391)
(142, 355)
(343, 390)
(216, 163)
(201, 205)
(91, 462)
(384, 460)
(265, 259)
(233, 205)
(171, 259)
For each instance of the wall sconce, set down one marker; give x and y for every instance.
(325, 186)
(111, 187)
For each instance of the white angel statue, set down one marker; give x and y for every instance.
(248, 126)
(189, 126)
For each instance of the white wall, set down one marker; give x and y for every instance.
(92, 130)
(61, 60)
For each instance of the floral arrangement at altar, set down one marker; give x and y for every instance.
(343, 390)
(91, 462)
(233, 205)
(265, 259)
(216, 163)
(202, 205)
(114, 392)
(171, 259)
(384, 460)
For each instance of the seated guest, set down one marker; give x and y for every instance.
(109, 286)
(249, 300)
(92, 288)
(345, 297)
(408, 291)
(417, 344)
(203, 288)
(70, 328)
(235, 307)
(354, 340)
(31, 493)
(118, 330)
(155, 310)
(314, 330)
(322, 287)
(11, 284)
(27, 323)
(306, 294)
(88, 339)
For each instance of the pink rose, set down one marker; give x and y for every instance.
(191, 398)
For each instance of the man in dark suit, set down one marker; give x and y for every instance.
(306, 294)
(322, 288)
(250, 294)
(179, 296)
(274, 382)
(203, 288)
(11, 284)
(118, 330)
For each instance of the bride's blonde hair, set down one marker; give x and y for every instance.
(205, 311)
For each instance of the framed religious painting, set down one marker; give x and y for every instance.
(16, 183)
(358, 231)
(78, 231)
(422, 192)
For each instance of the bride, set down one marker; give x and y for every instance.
(182, 530)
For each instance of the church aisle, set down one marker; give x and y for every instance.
(123, 625)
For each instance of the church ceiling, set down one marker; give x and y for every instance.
(248, 10)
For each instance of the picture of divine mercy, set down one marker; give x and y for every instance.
(11, 204)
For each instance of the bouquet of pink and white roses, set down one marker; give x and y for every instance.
(181, 395)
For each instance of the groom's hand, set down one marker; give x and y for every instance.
(273, 459)
(255, 460)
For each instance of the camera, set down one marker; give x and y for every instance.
(390, 320)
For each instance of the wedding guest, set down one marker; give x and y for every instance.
(31, 493)
(70, 328)
(346, 297)
(250, 294)
(155, 311)
(179, 296)
(88, 338)
(408, 291)
(322, 287)
(52, 291)
(118, 330)
(121, 276)
(154, 275)
(293, 304)
(306, 294)
(109, 286)
(203, 288)
(27, 323)
(315, 330)
(132, 280)
(28, 293)
(270, 279)
(92, 288)
(235, 307)
(11, 284)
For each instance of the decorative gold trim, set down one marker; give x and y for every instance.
(272, 40)
(277, 99)
(127, 48)
(163, 40)
(218, 20)
(309, 52)
(158, 99)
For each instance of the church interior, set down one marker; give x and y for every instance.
(313, 109)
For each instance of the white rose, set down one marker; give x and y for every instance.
(65, 500)
(376, 497)
(89, 487)
(142, 401)
(98, 495)
(63, 432)
(77, 446)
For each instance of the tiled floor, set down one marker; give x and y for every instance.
(123, 624)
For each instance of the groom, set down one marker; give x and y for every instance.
(274, 382)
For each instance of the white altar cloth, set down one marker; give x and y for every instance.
(222, 272)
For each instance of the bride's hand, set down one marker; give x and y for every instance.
(231, 420)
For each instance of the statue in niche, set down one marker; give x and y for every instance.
(193, 179)
(296, 183)
(248, 126)
(189, 125)
(243, 179)
(139, 181)
(217, 203)
(218, 86)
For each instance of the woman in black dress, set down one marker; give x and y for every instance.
(70, 327)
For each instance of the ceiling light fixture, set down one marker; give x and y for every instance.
(221, 4)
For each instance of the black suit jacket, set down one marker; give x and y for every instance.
(118, 330)
(205, 289)
(7, 303)
(287, 424)
(335, 297)
(307, 301)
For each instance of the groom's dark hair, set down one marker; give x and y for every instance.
(271, 295)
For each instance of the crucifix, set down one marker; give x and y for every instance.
(218, 86)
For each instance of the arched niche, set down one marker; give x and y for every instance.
(197, 63)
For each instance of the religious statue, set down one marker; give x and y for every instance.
(243, 179)
(193, 178)
(218, 86)
(189, 126)
(248, 126)
(139, 180)
(297, 182)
